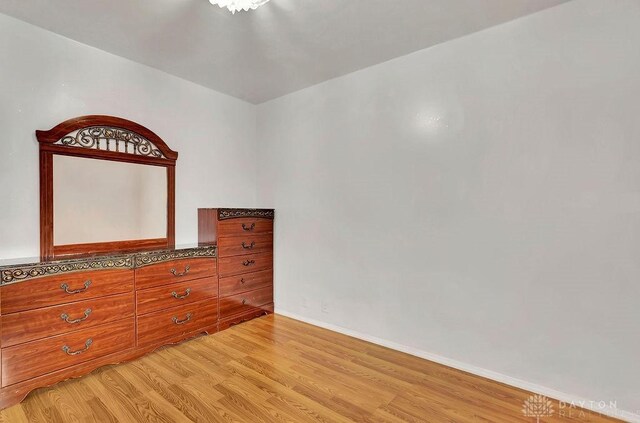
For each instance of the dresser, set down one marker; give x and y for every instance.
(64, 318)
(110, 285)
(244, 238)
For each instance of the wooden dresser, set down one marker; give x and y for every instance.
(62, 319)
(244, 238)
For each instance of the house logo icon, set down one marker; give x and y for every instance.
(537, 406)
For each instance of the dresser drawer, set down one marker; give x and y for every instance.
(175, 271)
(156, 327)
(41, 323)
(245, 302)
(166, 296)
(245, 264)
(247, 282)
(246, 244)
(64, 288)
(26, 361)
(244, 226)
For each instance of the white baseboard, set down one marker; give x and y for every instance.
(499, 377)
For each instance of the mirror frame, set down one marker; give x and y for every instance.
(63, 140)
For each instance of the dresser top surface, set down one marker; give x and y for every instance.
(21, 269)
(234, 213)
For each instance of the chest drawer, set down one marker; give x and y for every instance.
(247, 282)
(26, 361)
(175, 271)
(166, 296)
(246, 244)
(244, 226)
(246, 302)
(64, 288)
(30, 325)
(156, 327)
(237, 265)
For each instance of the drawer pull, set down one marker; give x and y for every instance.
(181, 322)
(248, 228)
(174, 272)
(242, 281)
(248, 263)
(174, 294)
(65, 288)
(68, 351)
(248, 247)
(244, 301)
(65, 317)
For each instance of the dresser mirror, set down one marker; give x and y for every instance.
(106, 184)
(84, 210)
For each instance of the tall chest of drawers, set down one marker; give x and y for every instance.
(244, 238)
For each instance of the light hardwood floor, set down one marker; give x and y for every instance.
(276, 369)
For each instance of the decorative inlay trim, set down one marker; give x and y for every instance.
(236, 213)
(107, 138)
(18, 273)
(145, 259)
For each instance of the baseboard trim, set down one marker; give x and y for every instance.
(489, 374)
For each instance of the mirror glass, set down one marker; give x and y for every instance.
(101, 201)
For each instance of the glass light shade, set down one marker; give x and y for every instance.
(236, 5)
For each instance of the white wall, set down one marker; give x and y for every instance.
(46, 79)
(478, 200)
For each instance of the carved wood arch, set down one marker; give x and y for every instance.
(104, 138)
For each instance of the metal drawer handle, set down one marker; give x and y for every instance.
(248, 228)
(247, 263)
(181, 297)
(65, 317)
(248, 247)
(68, 351)
(244, 301)
(174, 272)
(181, 322)
(65, 288)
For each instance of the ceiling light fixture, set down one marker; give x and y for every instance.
(237, 5)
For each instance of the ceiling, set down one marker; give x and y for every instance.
(284, 46)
